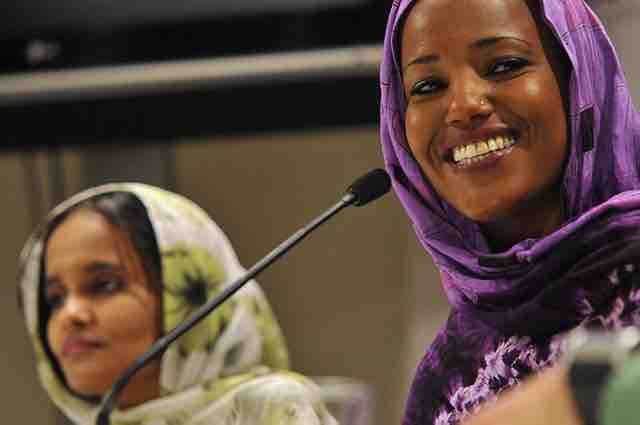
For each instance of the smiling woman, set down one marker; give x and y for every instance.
(116, 266)
(484, 110)
(514, 147)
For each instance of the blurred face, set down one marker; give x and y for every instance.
(485, 116)
(104, 314)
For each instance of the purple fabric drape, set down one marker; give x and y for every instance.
(538, 288)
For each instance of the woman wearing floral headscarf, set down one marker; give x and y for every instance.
(115, 267)
(513, 145)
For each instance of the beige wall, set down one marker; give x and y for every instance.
(21, 398)
(621, 18)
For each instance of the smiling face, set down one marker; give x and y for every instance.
(104, 313)
(485, 114)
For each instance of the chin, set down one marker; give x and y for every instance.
(487, 214)
(86, 387)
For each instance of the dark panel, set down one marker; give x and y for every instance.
(313, 102)
(22, 16)
(157, 36)
(281, 106)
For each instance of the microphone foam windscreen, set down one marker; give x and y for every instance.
(371, 186)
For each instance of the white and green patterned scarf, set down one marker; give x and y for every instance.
(230, 369)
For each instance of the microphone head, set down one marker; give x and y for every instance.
(370, 187)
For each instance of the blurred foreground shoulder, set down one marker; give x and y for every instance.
(275, 398)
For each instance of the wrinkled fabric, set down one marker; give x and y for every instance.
(521, 299)
(229, 369)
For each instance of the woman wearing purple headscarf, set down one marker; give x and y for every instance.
(513, 145)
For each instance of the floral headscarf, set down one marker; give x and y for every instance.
(231, 368)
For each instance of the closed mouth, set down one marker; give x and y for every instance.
(76, 346)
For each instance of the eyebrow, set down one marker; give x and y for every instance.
(422, 60)
(101, 266)
(482, 43)
(95, 267)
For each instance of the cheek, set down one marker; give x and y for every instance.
(556, 113)
(131, 321)
(418, 127)
(537, 103)
(54, 335)
(543, 93)
(549, 115)
(536, 89)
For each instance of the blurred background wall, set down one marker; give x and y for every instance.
(359, 298)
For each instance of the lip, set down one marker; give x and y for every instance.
(474, 136)
(74, 346)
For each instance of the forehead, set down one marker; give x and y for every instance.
(448, 24)
(86, 236)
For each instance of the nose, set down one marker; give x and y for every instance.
(77, 312)
(470, 103)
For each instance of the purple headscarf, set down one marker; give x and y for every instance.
(541, 287)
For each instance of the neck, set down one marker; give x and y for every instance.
(539, 218)
(143, 386)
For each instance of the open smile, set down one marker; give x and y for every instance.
(483, 151)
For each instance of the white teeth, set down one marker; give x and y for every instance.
(473, 151)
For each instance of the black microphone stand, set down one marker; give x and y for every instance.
(365, 189)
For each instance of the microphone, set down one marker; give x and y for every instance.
(367, 188)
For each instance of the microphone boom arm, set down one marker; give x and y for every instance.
(109, 400)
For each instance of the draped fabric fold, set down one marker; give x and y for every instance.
(539, 287)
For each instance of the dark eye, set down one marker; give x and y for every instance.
(426, 87)
(54, 301)
(506, 66)
(106, 285)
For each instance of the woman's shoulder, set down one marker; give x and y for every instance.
(449, 360)
(615, 303)
(469, 364)
(281, 385)
(270, 397)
